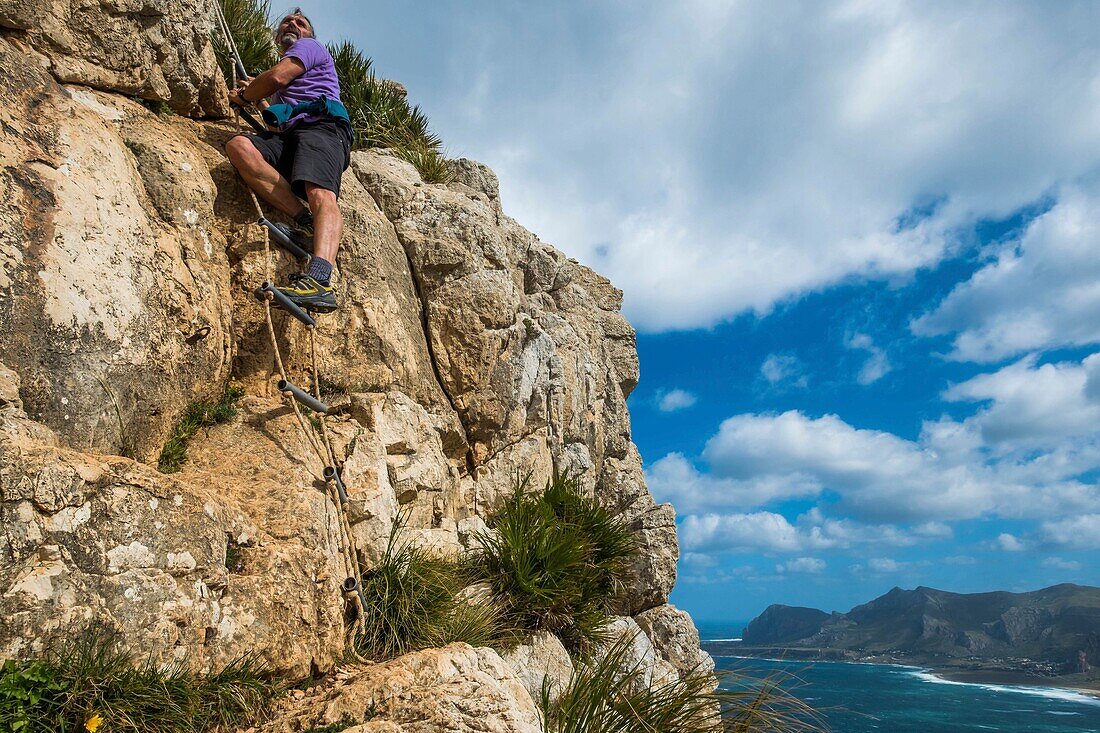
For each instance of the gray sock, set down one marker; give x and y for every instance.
(320, 270)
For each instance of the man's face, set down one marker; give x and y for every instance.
(293, 27)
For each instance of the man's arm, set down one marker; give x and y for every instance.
(263, 86)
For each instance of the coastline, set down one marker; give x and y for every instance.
(964, 672)
(1010, 678)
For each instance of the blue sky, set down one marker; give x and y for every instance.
(859, 242)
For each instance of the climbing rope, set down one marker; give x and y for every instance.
(322, 446)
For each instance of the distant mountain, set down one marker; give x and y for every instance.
(780, 624)
(1056, 624)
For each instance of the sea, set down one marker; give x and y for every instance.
(879, 698)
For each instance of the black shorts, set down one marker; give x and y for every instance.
(310, 152)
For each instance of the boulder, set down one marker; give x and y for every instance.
(116, 311)
(675, 638)
(641, 655)
(541, 660)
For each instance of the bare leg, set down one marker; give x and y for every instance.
(328, 223)
(262, 178)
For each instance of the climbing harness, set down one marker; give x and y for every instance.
(268, 295)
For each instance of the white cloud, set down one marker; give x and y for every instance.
(730, 156)
(674, 479)
(950, 473)
(807, 565)
(1035, 406)
(698, 560)
(777, 368)
(1009, 543)
(877, 365)
(676, 399)
(1077, 533)
(877, 474)
(883, 565)
(1038, 293)
(770, 532)
(961, 560)
(1060, 564)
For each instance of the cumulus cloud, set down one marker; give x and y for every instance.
(674, 479)
(771, 532)
(883, 565)
(807, 565)
(1038, 293)
(730, 156)
(876, 474)
(955, 470)
(1009, 543)
(1076, 533)
(674, 400)
(1035, 406)
(1060, 564)
(877, 365)
(784, 368)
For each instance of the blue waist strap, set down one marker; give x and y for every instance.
(277, 115)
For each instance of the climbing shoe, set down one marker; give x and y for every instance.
(310, 295)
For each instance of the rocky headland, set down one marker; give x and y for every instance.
(1045, 637)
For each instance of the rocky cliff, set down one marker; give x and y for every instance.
(466, 351)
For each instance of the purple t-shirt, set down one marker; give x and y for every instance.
(319, 78)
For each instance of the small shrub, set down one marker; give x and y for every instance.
(93, 685)
(606, 695)
(412, 603)
(197, 415)
(555, 560)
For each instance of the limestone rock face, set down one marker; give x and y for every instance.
(542, 659)
(159, 51)
(641, 654)
(675, 637)
(455, 689)
(116, 308)
(171, 563)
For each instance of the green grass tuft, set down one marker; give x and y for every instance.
(555, 560)
(197, 415)
(412, 603)
(607, 695)
(92, 679)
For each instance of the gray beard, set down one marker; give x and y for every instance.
(288, 40)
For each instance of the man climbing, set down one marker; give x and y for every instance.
(303, 156)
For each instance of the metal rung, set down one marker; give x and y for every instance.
(331, 474)
(351, 585)
(282, 239)
(304, 397)
(284, 302)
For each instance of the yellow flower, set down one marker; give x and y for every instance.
(92, 724)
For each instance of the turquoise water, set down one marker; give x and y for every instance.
(874, 698)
